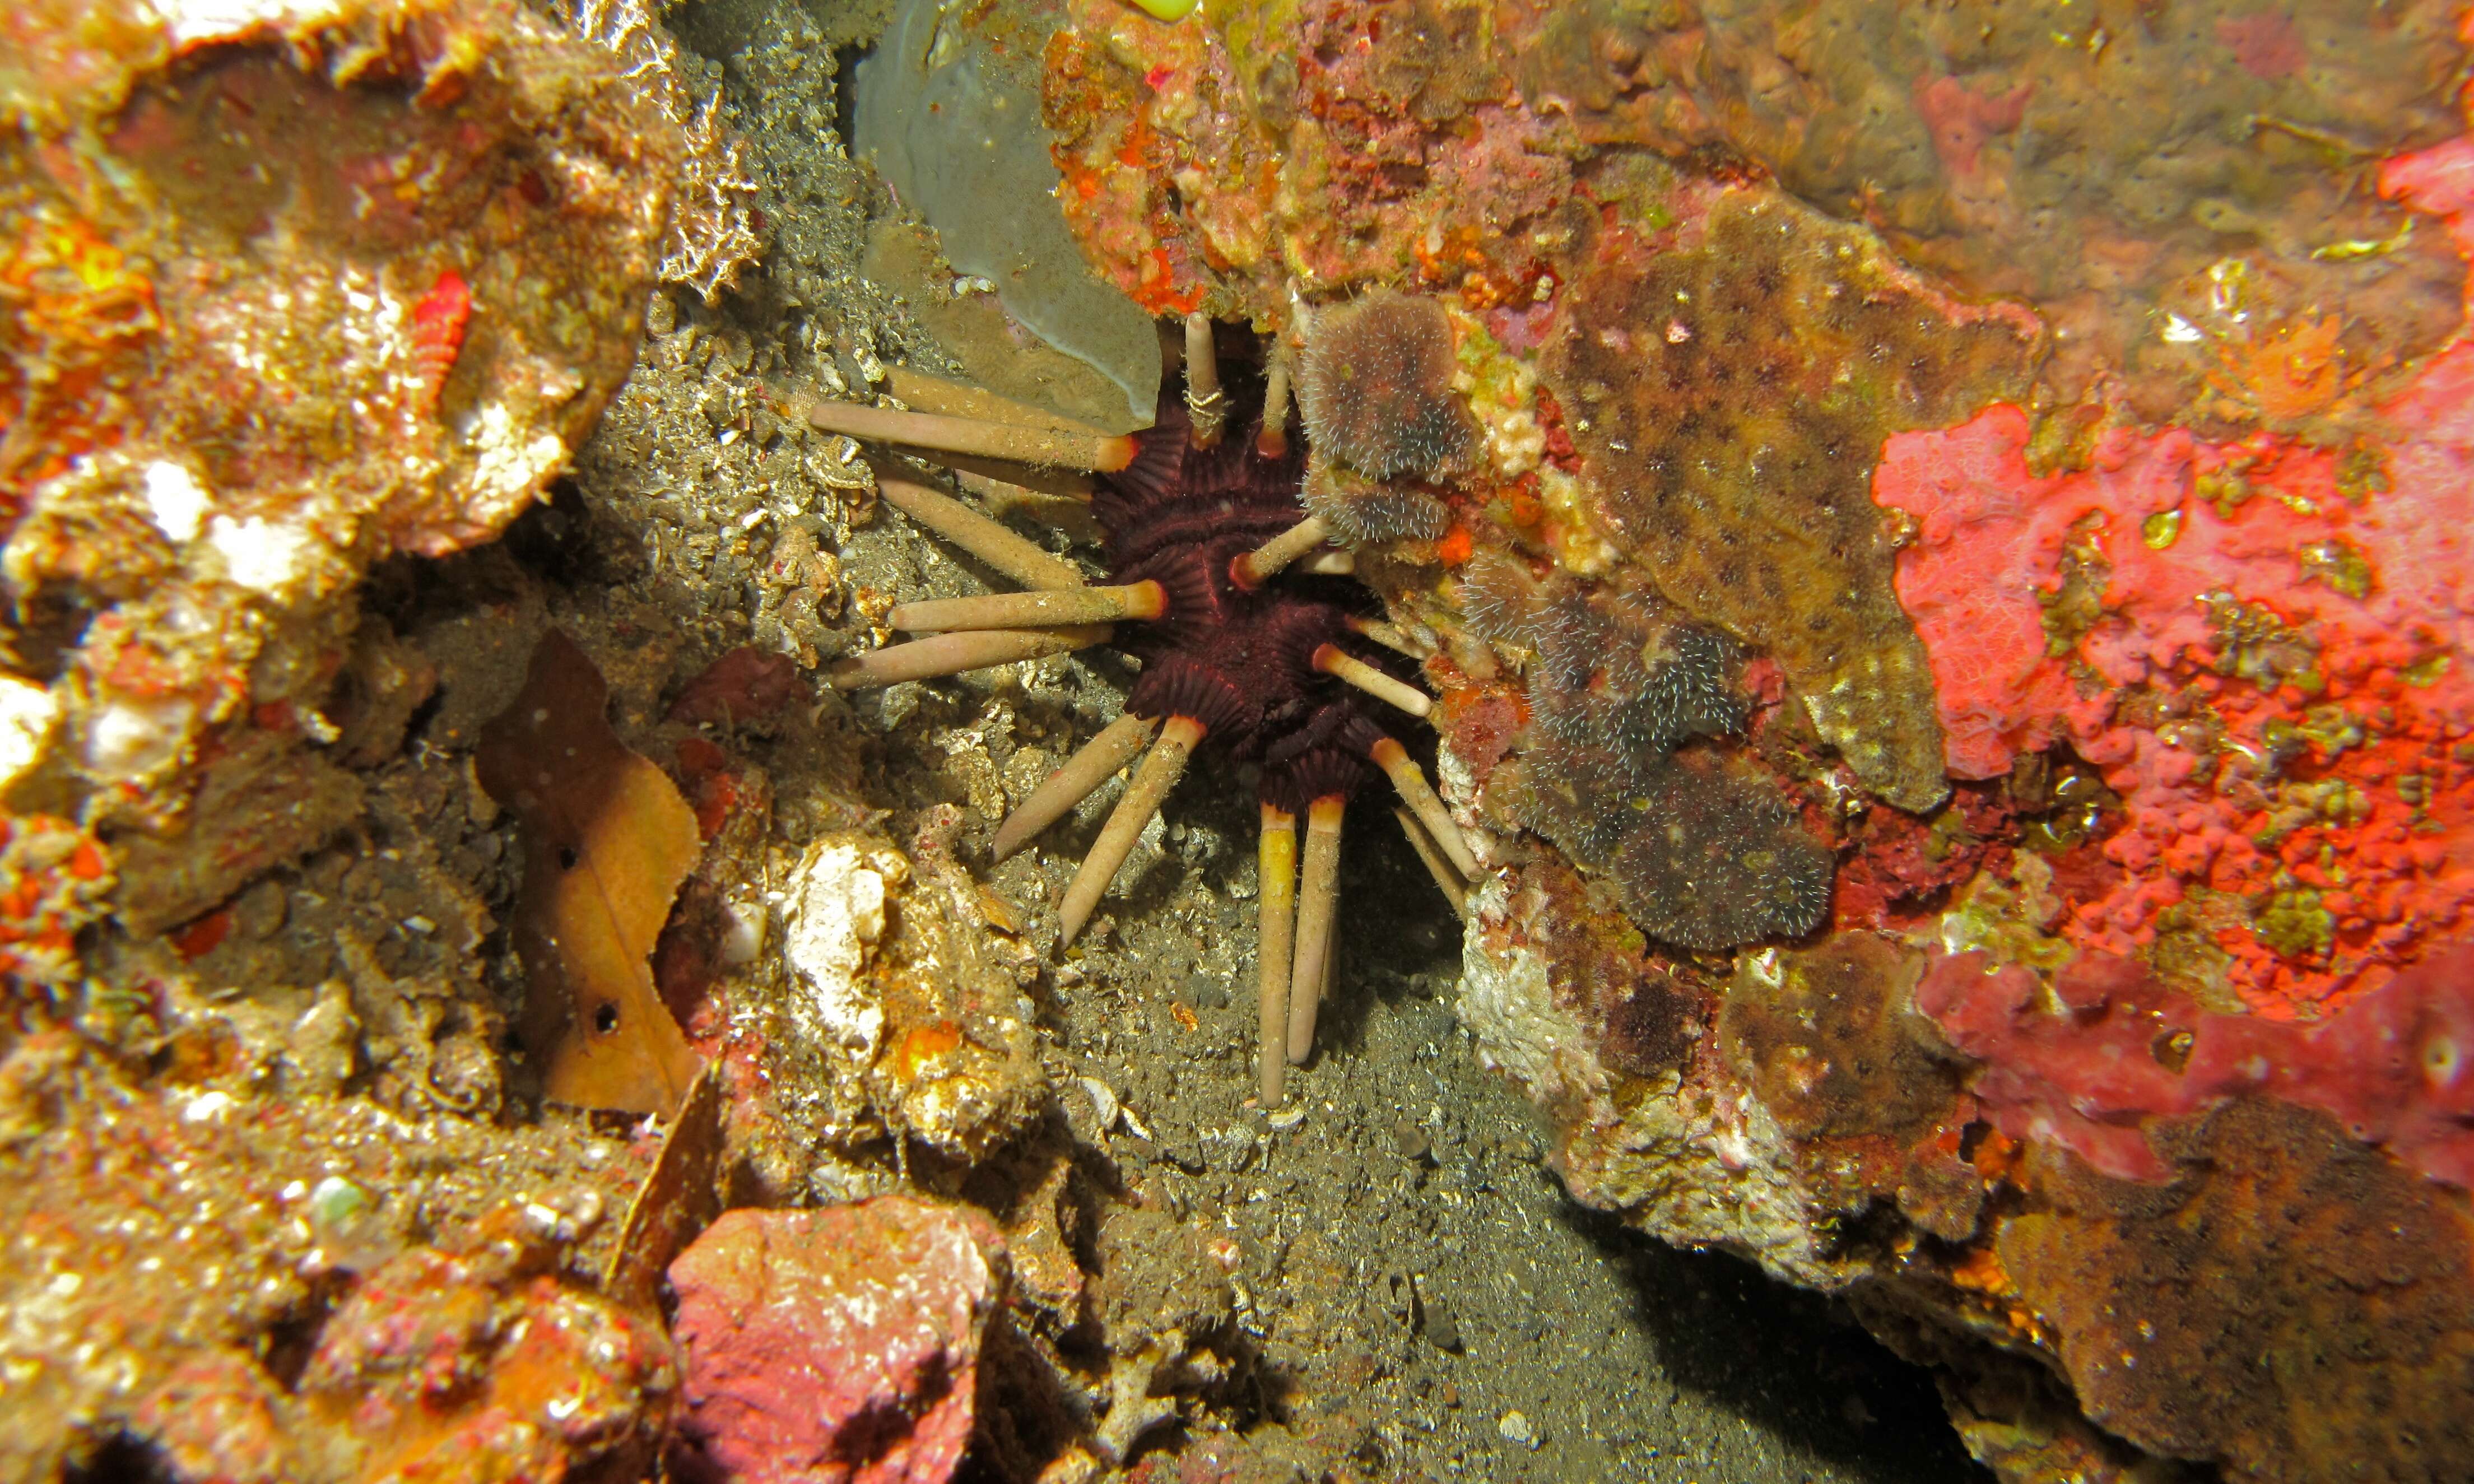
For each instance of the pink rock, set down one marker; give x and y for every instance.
(835, 1346)
(468, 1365)
(2395, 1066)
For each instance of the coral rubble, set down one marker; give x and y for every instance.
(232, 388)
(163, 1238)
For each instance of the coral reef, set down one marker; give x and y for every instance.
(1932, 538)
(316, 905)
(2008, 484)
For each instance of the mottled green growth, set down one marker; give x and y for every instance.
(1730, 399)
(2225, 489)
(2340, 565)
(1375, 386)
(2100, 161)
(2075, 604)
(2294, 925)
(2256, 644)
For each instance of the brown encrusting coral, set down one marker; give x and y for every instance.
(1725, 390)
(2291, 1303)
(2120, 166)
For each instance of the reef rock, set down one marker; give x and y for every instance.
(893, 1015)
(167, 1238)
(837, 1346)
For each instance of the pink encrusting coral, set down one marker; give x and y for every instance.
(2261, 643)
(2440, 180)
(2268, 667)
(2112, 1047)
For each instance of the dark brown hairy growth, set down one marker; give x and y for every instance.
(1703, 850)
(1376, 385)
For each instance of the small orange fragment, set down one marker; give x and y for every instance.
(1523, 503)
(201, 937)
(924, 1044)
(1000, 913)
(1996, 1156)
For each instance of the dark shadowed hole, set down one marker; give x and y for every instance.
(122, 1460)
(846, 93)
(293, 1338)
(554, 537)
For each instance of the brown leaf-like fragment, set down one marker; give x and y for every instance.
(676, 1201)
(607, 842)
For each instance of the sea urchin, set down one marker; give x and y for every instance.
(1248, 634)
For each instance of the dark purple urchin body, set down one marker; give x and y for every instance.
(1239, 662)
